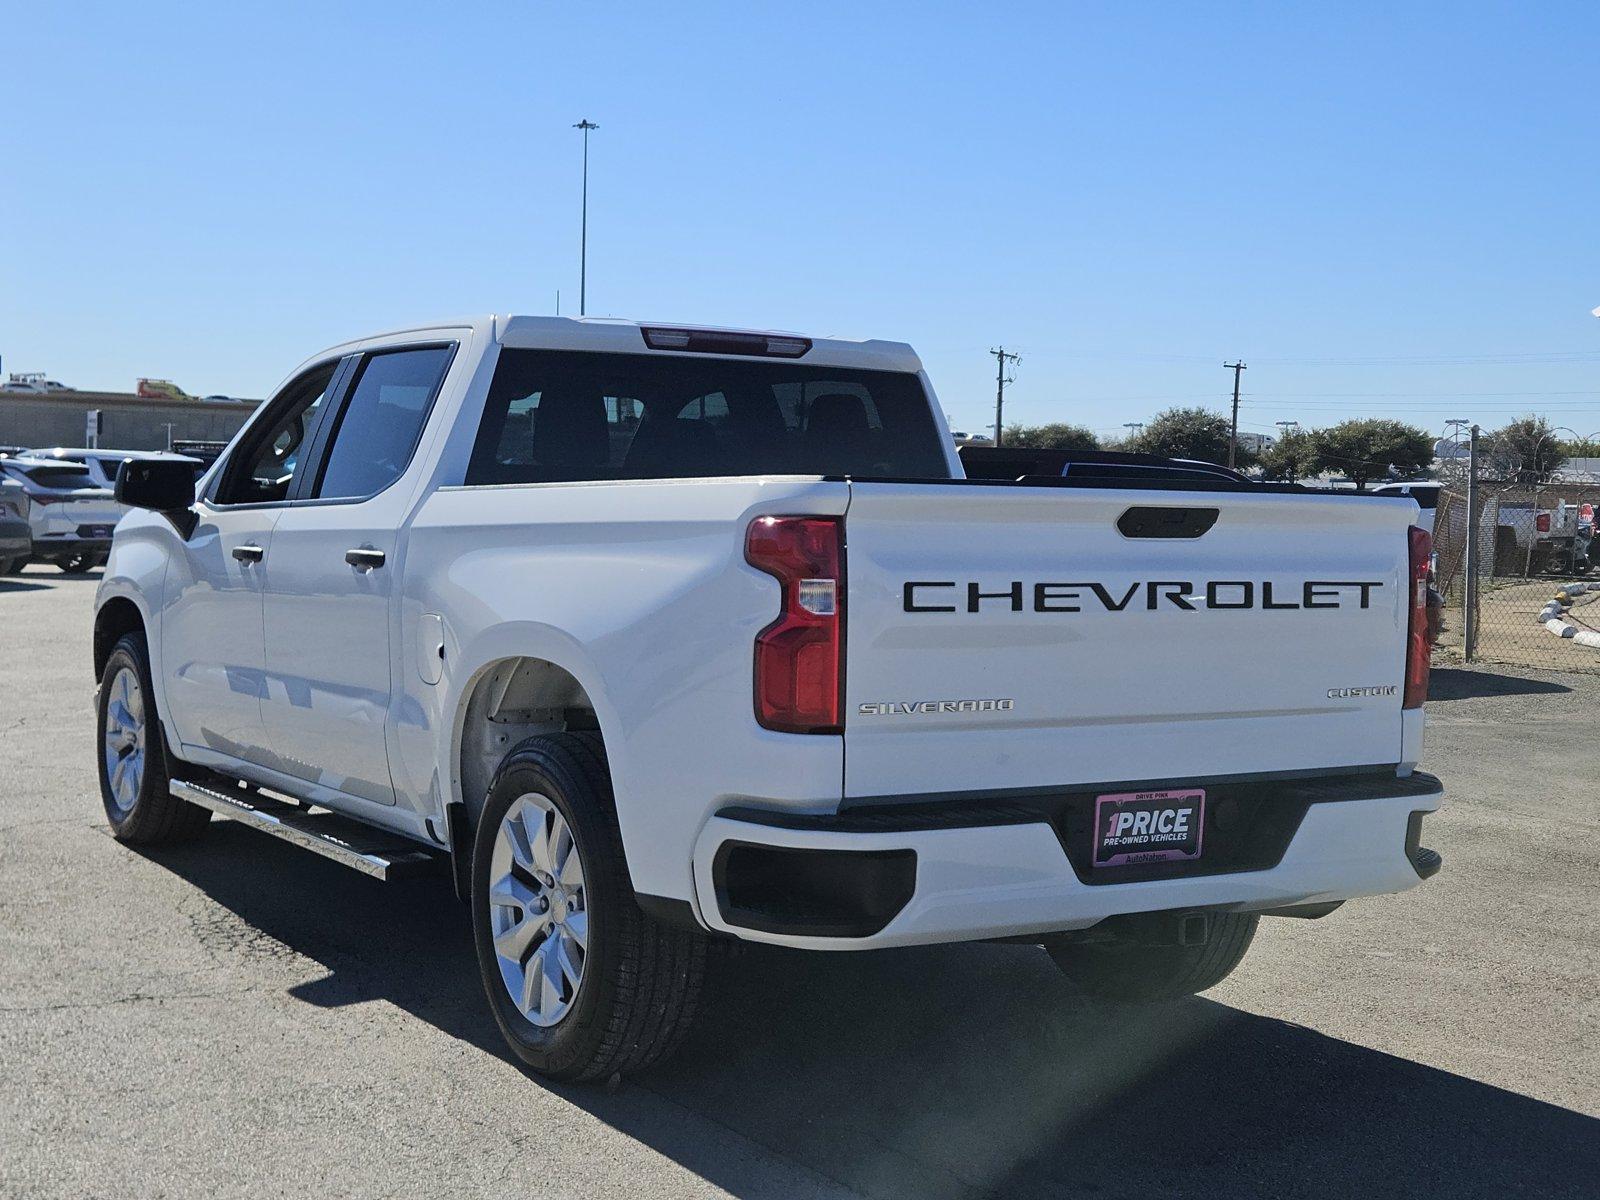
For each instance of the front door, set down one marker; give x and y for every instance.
(212, 654)
(212, 660)
(332, 577)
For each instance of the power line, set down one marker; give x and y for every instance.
(1515, 358)
(1424, 395)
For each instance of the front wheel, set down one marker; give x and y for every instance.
(1135, 969)
(583, 984)
(133, 754)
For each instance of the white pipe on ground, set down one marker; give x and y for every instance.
(1552, 615)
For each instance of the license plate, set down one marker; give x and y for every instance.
(95, 531)
(1148, 827)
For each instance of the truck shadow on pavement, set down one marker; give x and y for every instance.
(963, 1071)
(1450, 683)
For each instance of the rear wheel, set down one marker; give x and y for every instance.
(582, 983)
(1137, 967)
(133, 754)
(76, 564)
(10, 566)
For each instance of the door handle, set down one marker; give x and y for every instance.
(365, 558)
(248, 554)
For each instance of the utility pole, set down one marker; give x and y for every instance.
(1233, 432)
(1134, 428)
(1001, 378)
(583, 240)
(1469, 592)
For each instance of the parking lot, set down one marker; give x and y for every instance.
(237, 1017)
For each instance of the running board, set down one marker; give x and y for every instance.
(361, 847)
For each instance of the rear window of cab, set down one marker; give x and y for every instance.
(581, 416)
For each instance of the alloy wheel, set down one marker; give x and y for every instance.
(538, 909)
(125, 739)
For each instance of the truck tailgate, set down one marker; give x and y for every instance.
(1007, 637)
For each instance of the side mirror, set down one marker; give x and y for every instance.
(165, 485)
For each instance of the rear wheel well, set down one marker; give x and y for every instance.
(117, 616)
(514, 699)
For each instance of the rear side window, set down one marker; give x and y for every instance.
(60, 477)
(381, 422)
(570, 415)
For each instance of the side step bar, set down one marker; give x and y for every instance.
(353, 844)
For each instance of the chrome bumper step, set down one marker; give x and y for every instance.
(355, 845)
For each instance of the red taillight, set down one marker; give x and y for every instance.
(799, 662)
(1418, 650)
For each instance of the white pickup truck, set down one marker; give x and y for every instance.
(658, 635)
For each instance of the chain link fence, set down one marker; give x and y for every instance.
(1527, 541)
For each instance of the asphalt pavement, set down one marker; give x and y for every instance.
(240, 1018)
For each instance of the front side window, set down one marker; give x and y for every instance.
(572, 415)
(382, 420)
(265, 465)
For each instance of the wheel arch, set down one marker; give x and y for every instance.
(113, 620)
(508, 698)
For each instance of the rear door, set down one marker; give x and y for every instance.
(1011, 637)
(331, 576)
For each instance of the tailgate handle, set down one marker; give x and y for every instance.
(1160, 521)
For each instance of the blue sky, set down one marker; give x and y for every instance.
(1384, 209)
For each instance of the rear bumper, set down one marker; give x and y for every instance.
(52, 545)
(990, 880)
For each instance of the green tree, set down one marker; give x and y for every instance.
(1527, 450)
(1290, 457)
(1369, 448)
(1196, 433)
(1057, 436)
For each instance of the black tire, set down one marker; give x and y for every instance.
(76, 564)
(1137, 972)
(13, 566)
(155, 815)
(641, 980)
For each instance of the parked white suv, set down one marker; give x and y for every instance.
(70, 517)
(659, 634)
(102, 464)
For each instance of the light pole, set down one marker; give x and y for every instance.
(583, 238)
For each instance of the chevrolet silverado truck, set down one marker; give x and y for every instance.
(653, 636)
